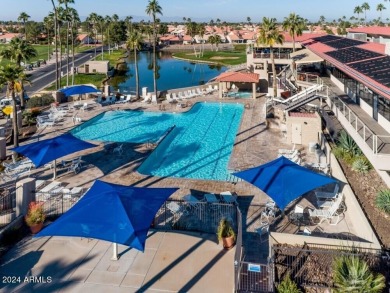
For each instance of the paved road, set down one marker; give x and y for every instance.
(43, 76)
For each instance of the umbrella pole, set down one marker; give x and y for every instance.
(55, 170)
(114, 251)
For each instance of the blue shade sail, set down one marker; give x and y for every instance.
(283, 180)
(45, 151)
(111, 212)
(78, 90)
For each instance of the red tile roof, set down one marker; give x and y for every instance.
(372, 30)
(304, 37)
(375, 47)
(238, 77)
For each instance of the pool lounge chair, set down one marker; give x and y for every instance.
(228, 197)
(328, 214)
(176, 209)
(328, 195)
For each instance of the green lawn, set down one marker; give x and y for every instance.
(114, 57)
(223, 58)
(95, 79)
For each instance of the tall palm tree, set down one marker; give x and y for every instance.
(101, 23)
(23, 17)
(55, 41)
(295, 25)
(134, 43)
(201, 31)
(380, 7)
(270, 35)
(357, 10)
(351, 274)
(10, 75)
(74, 18)
(365, 6)
(129, 24)
(108, 21)
(48, 22)
(152, 10)
(68, 18)
(17, 51)
(93, 20)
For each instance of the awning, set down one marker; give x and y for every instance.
(305, 56)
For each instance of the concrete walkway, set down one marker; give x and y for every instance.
(172, 262)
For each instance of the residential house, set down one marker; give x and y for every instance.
(84, 39)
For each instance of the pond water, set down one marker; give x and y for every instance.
(172, 73)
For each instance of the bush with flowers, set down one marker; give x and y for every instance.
(35, 214)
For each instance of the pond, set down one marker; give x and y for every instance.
(172, 73)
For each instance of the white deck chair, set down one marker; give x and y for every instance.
(154, 99)
(169, 98)
(328, 214)
(286, 151)
(228, 197)
(328, 195)
(176, 209)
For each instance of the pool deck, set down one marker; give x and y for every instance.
(254, 145)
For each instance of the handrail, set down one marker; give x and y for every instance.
(377, 141)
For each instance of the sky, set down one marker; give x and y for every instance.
(200, 10)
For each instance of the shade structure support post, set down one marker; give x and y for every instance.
(55, 170)
(114, 251)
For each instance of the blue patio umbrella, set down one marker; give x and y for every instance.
(284, 180)
(45, 151)
(116, 213)
(78, 90)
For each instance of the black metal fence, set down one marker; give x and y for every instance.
(311, 266)
(7, 205)
(255, 277)
(200, 217)
(56, 203)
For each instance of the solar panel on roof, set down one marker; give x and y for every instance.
(352, 54)
(327, 38)
(377, 69)
(344, 43)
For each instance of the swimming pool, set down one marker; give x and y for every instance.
(199, 146)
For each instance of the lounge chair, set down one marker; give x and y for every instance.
(263, 231)
(210, 198)
(121, 100)
(228, 197)
(192, 201)
(328, 214)
(154, 99)
(86, 106)
(176, 209)
(75, 168)
(325, 204)
(286, 151)
(328, 195)
(199, 92)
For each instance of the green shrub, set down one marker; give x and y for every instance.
(341, 154)
(351, 274)
(361, 165)
(348, 144)
(44, 100)
(382, 200)
(288, 286)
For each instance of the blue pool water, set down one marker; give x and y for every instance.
(199, 146)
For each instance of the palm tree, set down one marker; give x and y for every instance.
(152, 10)
(101, 22)
(48, 21)
(380, 8)
(358, 10)
(270, 35)
(93, 19)
(10, 75)
(217, 41)
(19, 50)
(108, 21)
(365, 6)
(201, 31)
(134, 43)
(67, 16)
(23, 17)
(248, 19)
(128, 22)
(351, 274)
(295, 25)
(55, 41)
(74, 17)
